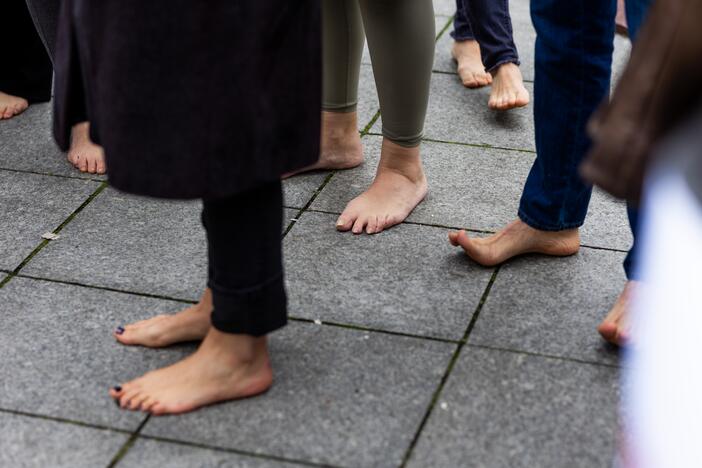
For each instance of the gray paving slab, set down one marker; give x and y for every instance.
(503, 409)
(131, 243)
(407, 279)
(298, 190)
(475, 188)
(26, 143)
(31, 205)
(58, 354)
(149, 453)
(444, 7)
(553, 305)
(459, 115)
(341, 396)
(32, 442)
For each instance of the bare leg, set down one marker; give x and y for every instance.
(225, 367)
(190, 324)
(470, 66)
(341, 146)
(516, 239)
(508, 89)
(85, 155)
(615, 326)
(11, 106)
(399, 186)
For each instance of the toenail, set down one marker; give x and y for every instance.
(119, 330)
(117, 388)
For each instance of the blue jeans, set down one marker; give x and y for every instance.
(488, 22)
(573, 66)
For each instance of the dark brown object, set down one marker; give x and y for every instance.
(661, 86)
(192, 99)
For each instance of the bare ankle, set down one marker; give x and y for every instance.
(401, 159)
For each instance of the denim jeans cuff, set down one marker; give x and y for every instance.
(547, 227)
(502, 61)
(461, 37)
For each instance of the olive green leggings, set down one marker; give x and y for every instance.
(401, 42)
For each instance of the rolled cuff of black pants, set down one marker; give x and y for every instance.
(254, 311)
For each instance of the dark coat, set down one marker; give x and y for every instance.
(189, 98)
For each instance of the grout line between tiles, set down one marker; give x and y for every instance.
(45, 242)
(449, 369)
(73, 422)
(128, 444)
(236, 451)
(49, 174)
(472, 145)
(544, 355)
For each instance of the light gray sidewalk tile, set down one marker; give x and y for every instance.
(407, 279)
(131, 243)
(26, 143)
(475, 188)
(299, 189)
(503, 409)
(59, 357)
(28, 442)
(444, 7)
(148, 453)
(461, 115)
(31, 205)
(341, 396)
(553, 305)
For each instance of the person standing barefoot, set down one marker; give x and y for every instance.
(25, 75)
(83, 154)
(485, 52)
(401, 42)
(555, 198)
(236, 174)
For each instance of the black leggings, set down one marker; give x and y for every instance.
(245, 261)
(26, 69)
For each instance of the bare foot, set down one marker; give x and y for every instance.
(11, 106)
(615, 326)
(85, 155)
(508, 89)
(516, 239)
(190, 324)
(225, 367)
(340, 146)
(399, 186)
(470, 65)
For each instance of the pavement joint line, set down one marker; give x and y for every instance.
(314, 196)
(73, 422)
(467, 229)
(45, 242)
(444, 72)
(449, 368)
(472, 145)
(356, 327)
(543, 355)
(49, 174)
(128, 444)
(441, 32)
(190, 302)
(236, 451)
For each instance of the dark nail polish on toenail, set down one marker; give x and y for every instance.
(117, 388)
(119, 330)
